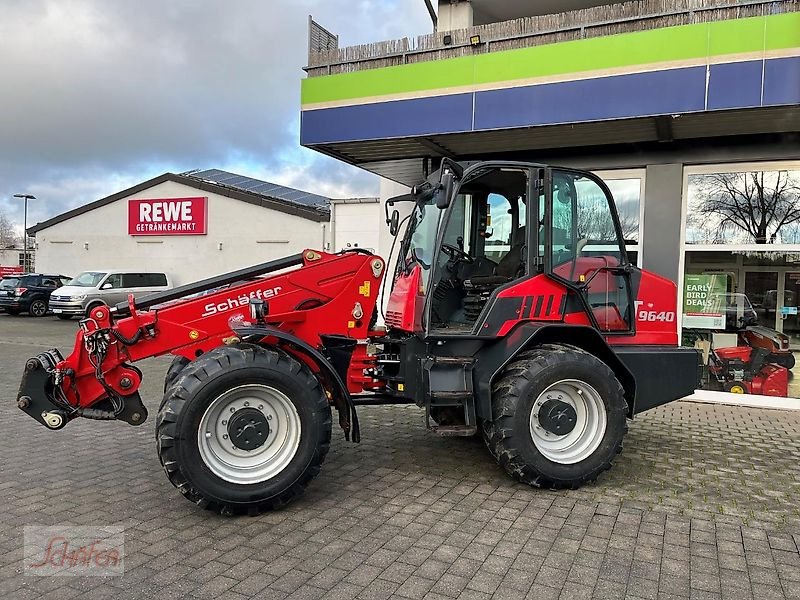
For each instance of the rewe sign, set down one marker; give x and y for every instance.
(168, 216)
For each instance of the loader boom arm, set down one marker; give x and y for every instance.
(329, 294)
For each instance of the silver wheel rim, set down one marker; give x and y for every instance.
(38, 308)
(590, 426)
(235, 465)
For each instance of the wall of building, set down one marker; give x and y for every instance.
(356, 223)
(454, 15)
(239, 234)
(11, 257)
(744, 63)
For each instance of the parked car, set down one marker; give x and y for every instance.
(107, 286)
(29, 293)
(771, 301)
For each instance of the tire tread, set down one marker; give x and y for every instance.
(508, 394)
(190, 379)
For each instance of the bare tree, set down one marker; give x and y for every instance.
(7, 235)
(596, 223)
(763, 205)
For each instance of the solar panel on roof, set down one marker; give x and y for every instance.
(263, 188)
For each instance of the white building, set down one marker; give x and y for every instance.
(356, 223)
(192, 225)
(12, 257)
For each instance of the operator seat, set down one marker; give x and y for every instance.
(511, 266)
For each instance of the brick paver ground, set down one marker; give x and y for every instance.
(702, 503)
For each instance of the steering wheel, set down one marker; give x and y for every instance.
(456, 253)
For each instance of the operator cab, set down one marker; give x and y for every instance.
(477, 231)
(483, 247)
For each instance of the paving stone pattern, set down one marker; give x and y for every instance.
(702, 503)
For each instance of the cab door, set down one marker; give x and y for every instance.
(585, 250)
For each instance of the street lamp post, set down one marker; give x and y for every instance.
(25, 261)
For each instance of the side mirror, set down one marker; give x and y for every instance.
(106, 286)
(445, 190)
(394, 222)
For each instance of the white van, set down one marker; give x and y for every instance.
(106, 286)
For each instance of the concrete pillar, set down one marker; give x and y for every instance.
(454, 14)
(661, 230)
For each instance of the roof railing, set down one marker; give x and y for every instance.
(598, 21)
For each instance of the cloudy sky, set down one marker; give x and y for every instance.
(98, 95)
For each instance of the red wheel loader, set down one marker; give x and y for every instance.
(512, 312)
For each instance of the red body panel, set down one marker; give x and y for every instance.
(539, 291)
(406, 302)
(742, 353)
(772, 380)
(655, 305)
(329, 294)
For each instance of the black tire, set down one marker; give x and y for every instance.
(65, 317)
(175, 368)
(206, 380)
(37, 307)
(514, 394)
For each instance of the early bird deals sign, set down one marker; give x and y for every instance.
(169, 216)
(704, 300)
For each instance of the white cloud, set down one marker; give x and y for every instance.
(101, 95)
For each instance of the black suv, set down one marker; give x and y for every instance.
(28, 293)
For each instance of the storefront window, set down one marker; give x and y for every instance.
(746, 207)
(740, 291)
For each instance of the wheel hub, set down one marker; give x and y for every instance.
(557, 417)
(568, 421)
(248, 429)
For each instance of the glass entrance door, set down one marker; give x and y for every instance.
(761, 288)
(787, 315)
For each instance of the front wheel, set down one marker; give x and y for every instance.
(243, 429)
(559, 417)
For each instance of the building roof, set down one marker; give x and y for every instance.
(260, 193)
(264, 188)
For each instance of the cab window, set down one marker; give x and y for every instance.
(504, 220)
(484, 245)
(586, 248)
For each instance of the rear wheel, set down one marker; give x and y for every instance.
(243, 429)
(37, 308)
(559, 417)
